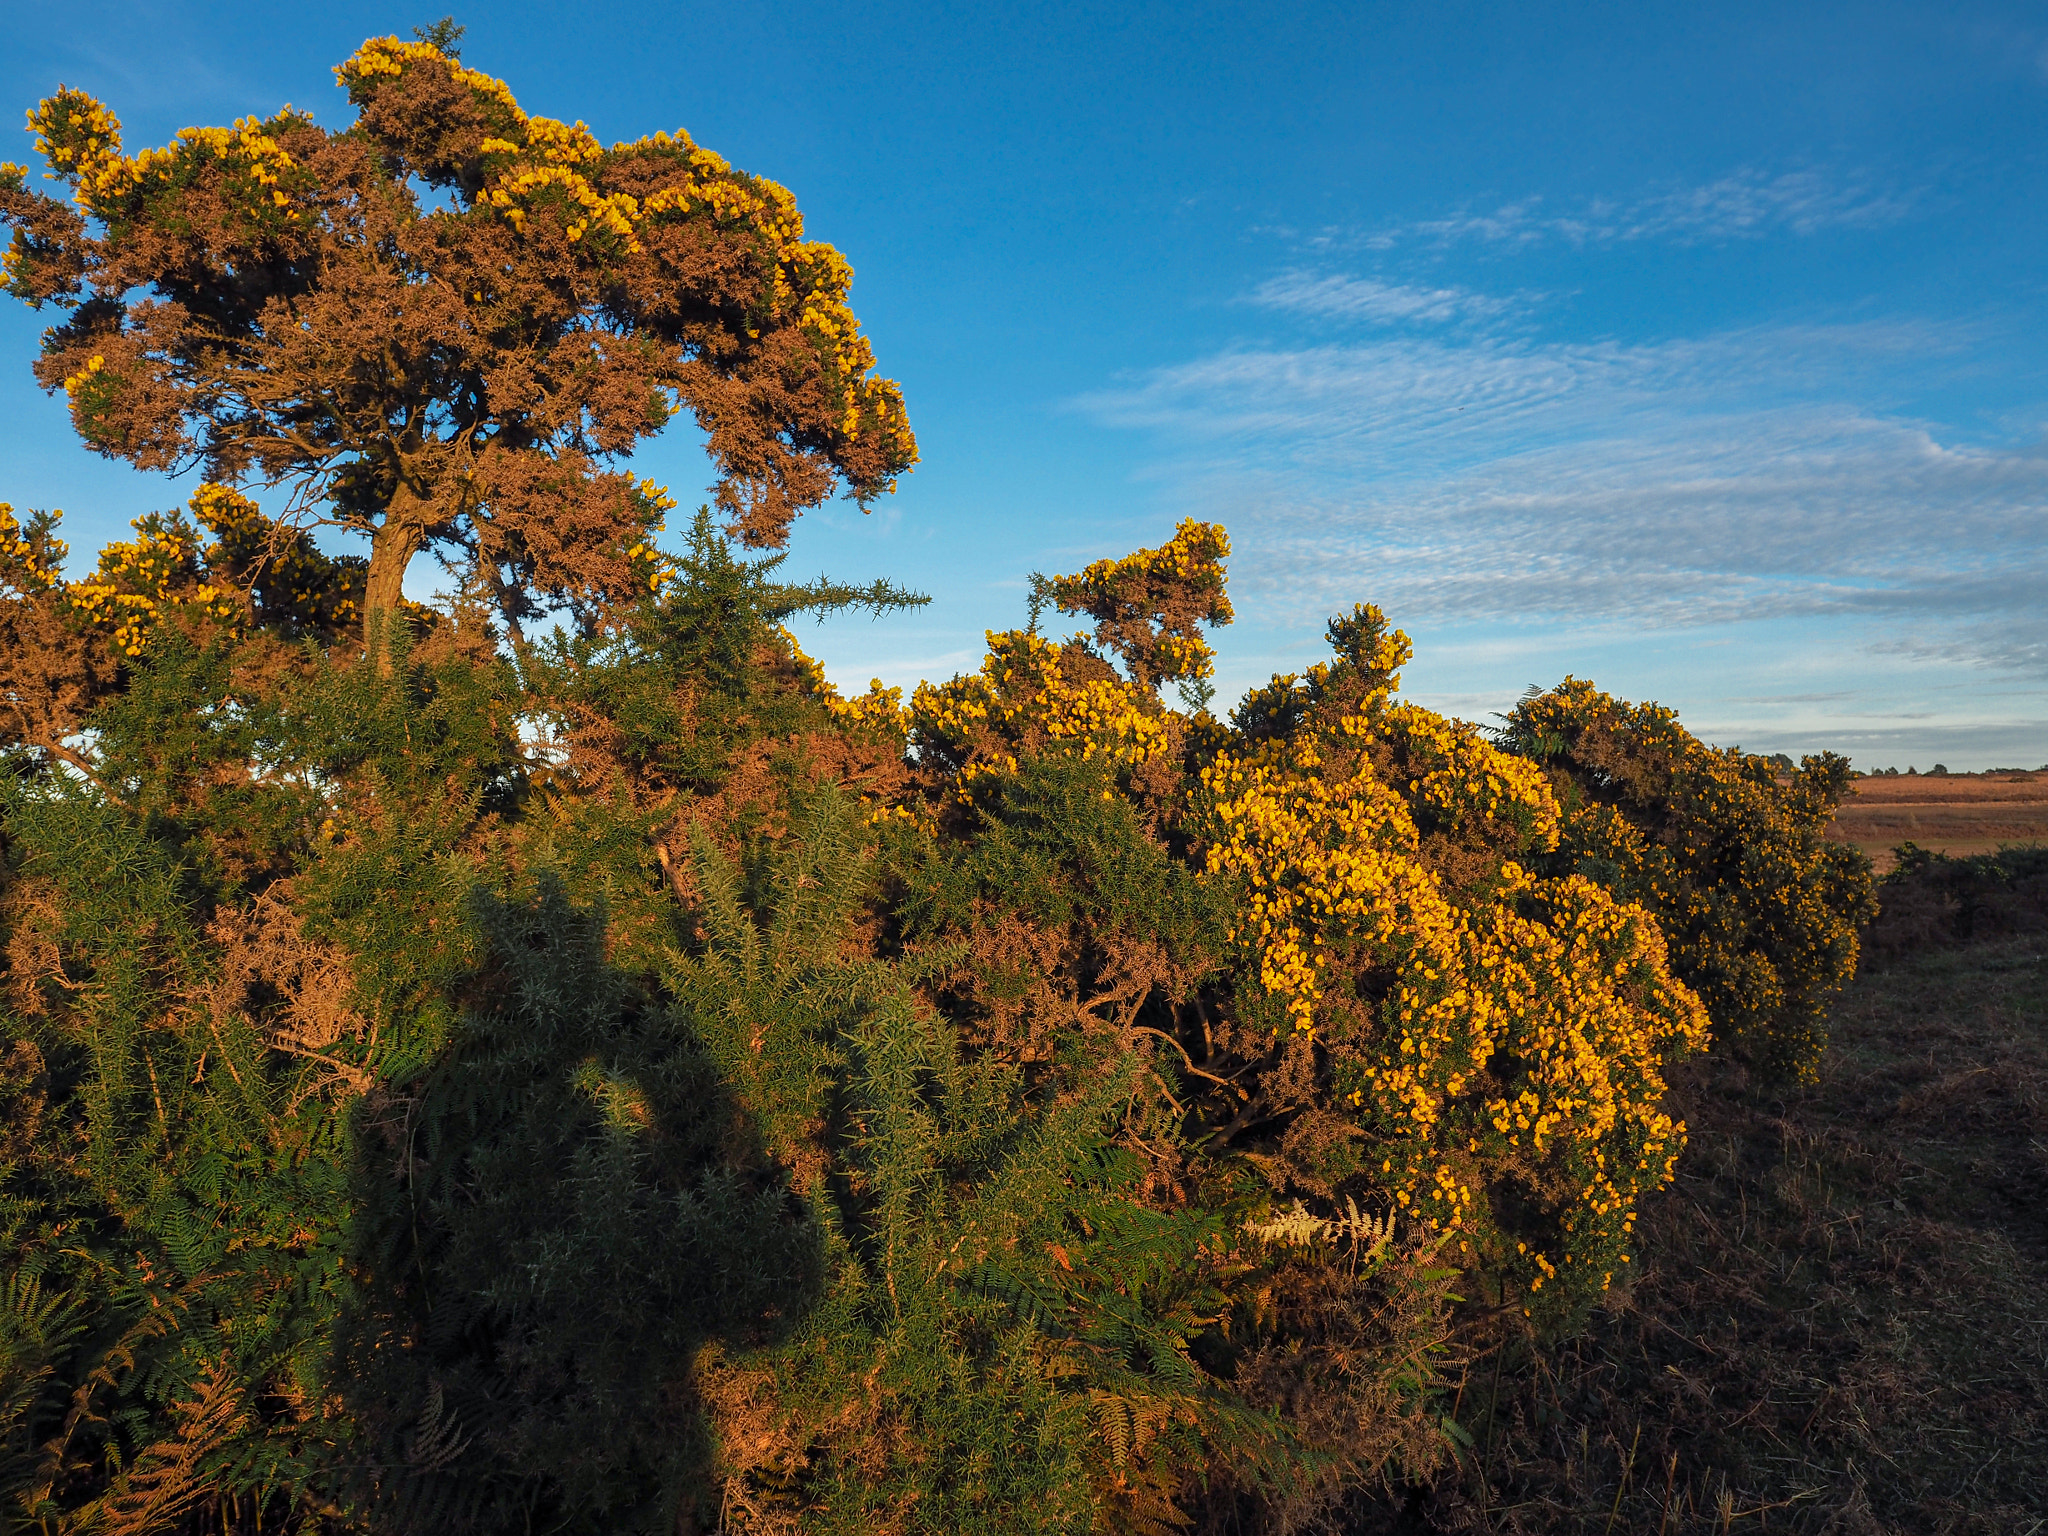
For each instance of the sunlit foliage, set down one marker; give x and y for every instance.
(454, 1078)
(438, 324)
(1727, 850)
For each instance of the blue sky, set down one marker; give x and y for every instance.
(1698, 350)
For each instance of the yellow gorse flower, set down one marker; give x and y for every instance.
(71, 384)
(164, 572)
(878, 708)
(297, 581)
(81, 140)
(1196, 550)
(1025, 688)
(140, 582)
(31, 557)
(536, 163)
(1324, 835)
(387, 56)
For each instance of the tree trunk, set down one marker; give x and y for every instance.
(391, 551)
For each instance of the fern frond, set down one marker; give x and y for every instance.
(436, 1438)
(168, 1477)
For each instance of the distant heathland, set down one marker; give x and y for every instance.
(1953, 813)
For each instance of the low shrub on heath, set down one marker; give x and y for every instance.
(1725, 848)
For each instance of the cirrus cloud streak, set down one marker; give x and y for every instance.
(1744, 204)
(1740, 477)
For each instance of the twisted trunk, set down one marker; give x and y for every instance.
(402, 535)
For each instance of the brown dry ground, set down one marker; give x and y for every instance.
(1839, 1322)
(1958, 813)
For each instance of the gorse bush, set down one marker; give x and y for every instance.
(1493, 1038)
(1761, 911)
(623, 1085)
(462, 1079)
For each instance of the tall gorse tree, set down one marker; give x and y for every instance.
(438, 324)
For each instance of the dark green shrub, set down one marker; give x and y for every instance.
(1931, 900)
(1760, 909)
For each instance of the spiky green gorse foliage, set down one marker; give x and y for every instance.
(623, 1085)
(466, 1092)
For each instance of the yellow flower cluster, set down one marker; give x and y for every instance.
(139, 583)
(31, 558)
(1185, 656)
(1332, 854)
(1519, 1030)
(294, 576)
(655, 567)
(1460, 777)
(1594, 1012)
(878, 708)
(78, 379)
(649, 563)
(81, 140)
(613, 214)
(143, 581)
(1146, 606)
(810, 671)
(762, 207)
(818, 278)
(547, 156)
(1194, 555)
(387, 57)
(230, 516)
(1024, 690)
(556, 143)
(73, 131)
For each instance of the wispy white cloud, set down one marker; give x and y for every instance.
(1340, 296)
(1749, 202)
(1418, 406)
(1744, 203)
(1690, 482)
